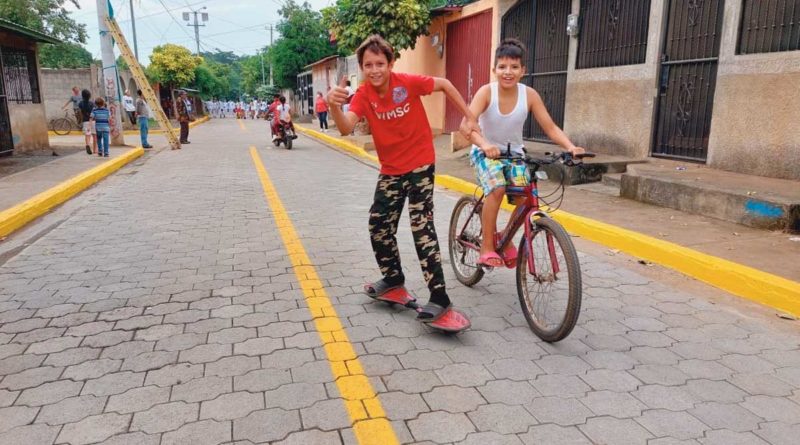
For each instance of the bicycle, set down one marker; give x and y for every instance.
(63, 125)
(537, 278)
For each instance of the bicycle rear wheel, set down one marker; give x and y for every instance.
(465, 259)
(62, 126)
(551, 297)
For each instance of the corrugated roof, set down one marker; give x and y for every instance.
(320, 61)
(24, 31)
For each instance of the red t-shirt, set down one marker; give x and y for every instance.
(398, 122)
(321, 106)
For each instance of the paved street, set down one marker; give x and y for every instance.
(165, 309)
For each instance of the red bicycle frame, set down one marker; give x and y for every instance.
(522, 212)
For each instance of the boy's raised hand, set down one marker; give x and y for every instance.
(338, 94)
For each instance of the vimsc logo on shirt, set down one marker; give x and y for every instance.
(393, 114)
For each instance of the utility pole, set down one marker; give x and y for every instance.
(263, 80)
(196, 24)
(110, 86)
(271, 82)
(133, 26)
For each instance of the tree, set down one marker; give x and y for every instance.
(173, 65)
(64, 55)
(210, 78)
(400, 22)
(47, 16)
(303, 40)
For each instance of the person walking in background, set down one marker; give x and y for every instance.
(143, 116)
(100, 116)
(183, 116)
(130, 108)
(321, 108)
(74, 99)
(85, 107)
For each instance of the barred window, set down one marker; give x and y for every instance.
(19, 73)
(769, 26)
(613, 32)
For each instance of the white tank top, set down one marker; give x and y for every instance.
(502, 129)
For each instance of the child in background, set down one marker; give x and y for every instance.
(100, 117)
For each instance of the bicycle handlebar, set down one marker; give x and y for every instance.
(565, 157)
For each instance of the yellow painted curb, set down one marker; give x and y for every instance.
(367, 416)
(16, 217)
(132, 132)
(743, 281)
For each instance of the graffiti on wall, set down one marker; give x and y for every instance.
(112, 98)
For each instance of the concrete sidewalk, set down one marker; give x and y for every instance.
(769, 251)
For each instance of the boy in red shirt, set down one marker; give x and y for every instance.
(404, 143)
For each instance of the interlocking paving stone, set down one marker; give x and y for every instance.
(441, 427)
(137, 399)
(617, 431)
(15, 416)
(311, 436)
(502, 418)
(36, 434)
(71, 410)
(680, 425)
(329, 414)
(164, 417)
(94, 428)
(550, 434)
(49, 393)
(204, 432)
(231, 406)
(266, 425)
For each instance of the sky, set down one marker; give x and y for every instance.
(233, 25)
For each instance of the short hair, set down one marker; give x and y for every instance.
(138, 92)
(510, 49)
(377, 45)
(283, 99)
(86, 94)
(277, 95)
(99, 102)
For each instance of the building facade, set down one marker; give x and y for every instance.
(708, 81)
(23, 122)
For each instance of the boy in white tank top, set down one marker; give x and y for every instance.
(503, 107)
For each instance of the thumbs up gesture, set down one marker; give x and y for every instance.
(337, 96)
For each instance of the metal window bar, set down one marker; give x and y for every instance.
(19, 75)
(613, 33)
(769, 26)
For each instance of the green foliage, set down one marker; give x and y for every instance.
(173, 65)
(251, 72)
(400, 22)
(303, 40)
(122, 65)
(64, 55)
(212, 80)
(47, 16)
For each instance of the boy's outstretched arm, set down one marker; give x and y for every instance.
(444, 85)
(337, 97)
(549, 127)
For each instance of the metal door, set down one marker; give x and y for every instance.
(541, 26)
(468, 52)
(688, 78)
(6, 140)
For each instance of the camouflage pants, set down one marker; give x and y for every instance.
(390, 197)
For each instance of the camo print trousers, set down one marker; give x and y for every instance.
(391, 193)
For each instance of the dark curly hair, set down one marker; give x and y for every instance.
(377, 45)
(510, 49)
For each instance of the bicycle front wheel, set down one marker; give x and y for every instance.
(465, 241)
(62, 126)
(550, 294)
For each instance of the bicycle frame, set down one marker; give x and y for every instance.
(522, 212)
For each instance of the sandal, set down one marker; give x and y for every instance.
(378, 288)
(491, 259)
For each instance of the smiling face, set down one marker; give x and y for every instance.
(377, 70)
(508, 71)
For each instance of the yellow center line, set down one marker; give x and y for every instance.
(366, 413)
(241, 124)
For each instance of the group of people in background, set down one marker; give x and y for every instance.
(254, 109)
(93, 116)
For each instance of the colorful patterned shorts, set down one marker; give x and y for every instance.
(495, 173)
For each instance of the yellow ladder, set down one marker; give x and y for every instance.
(141, 81)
